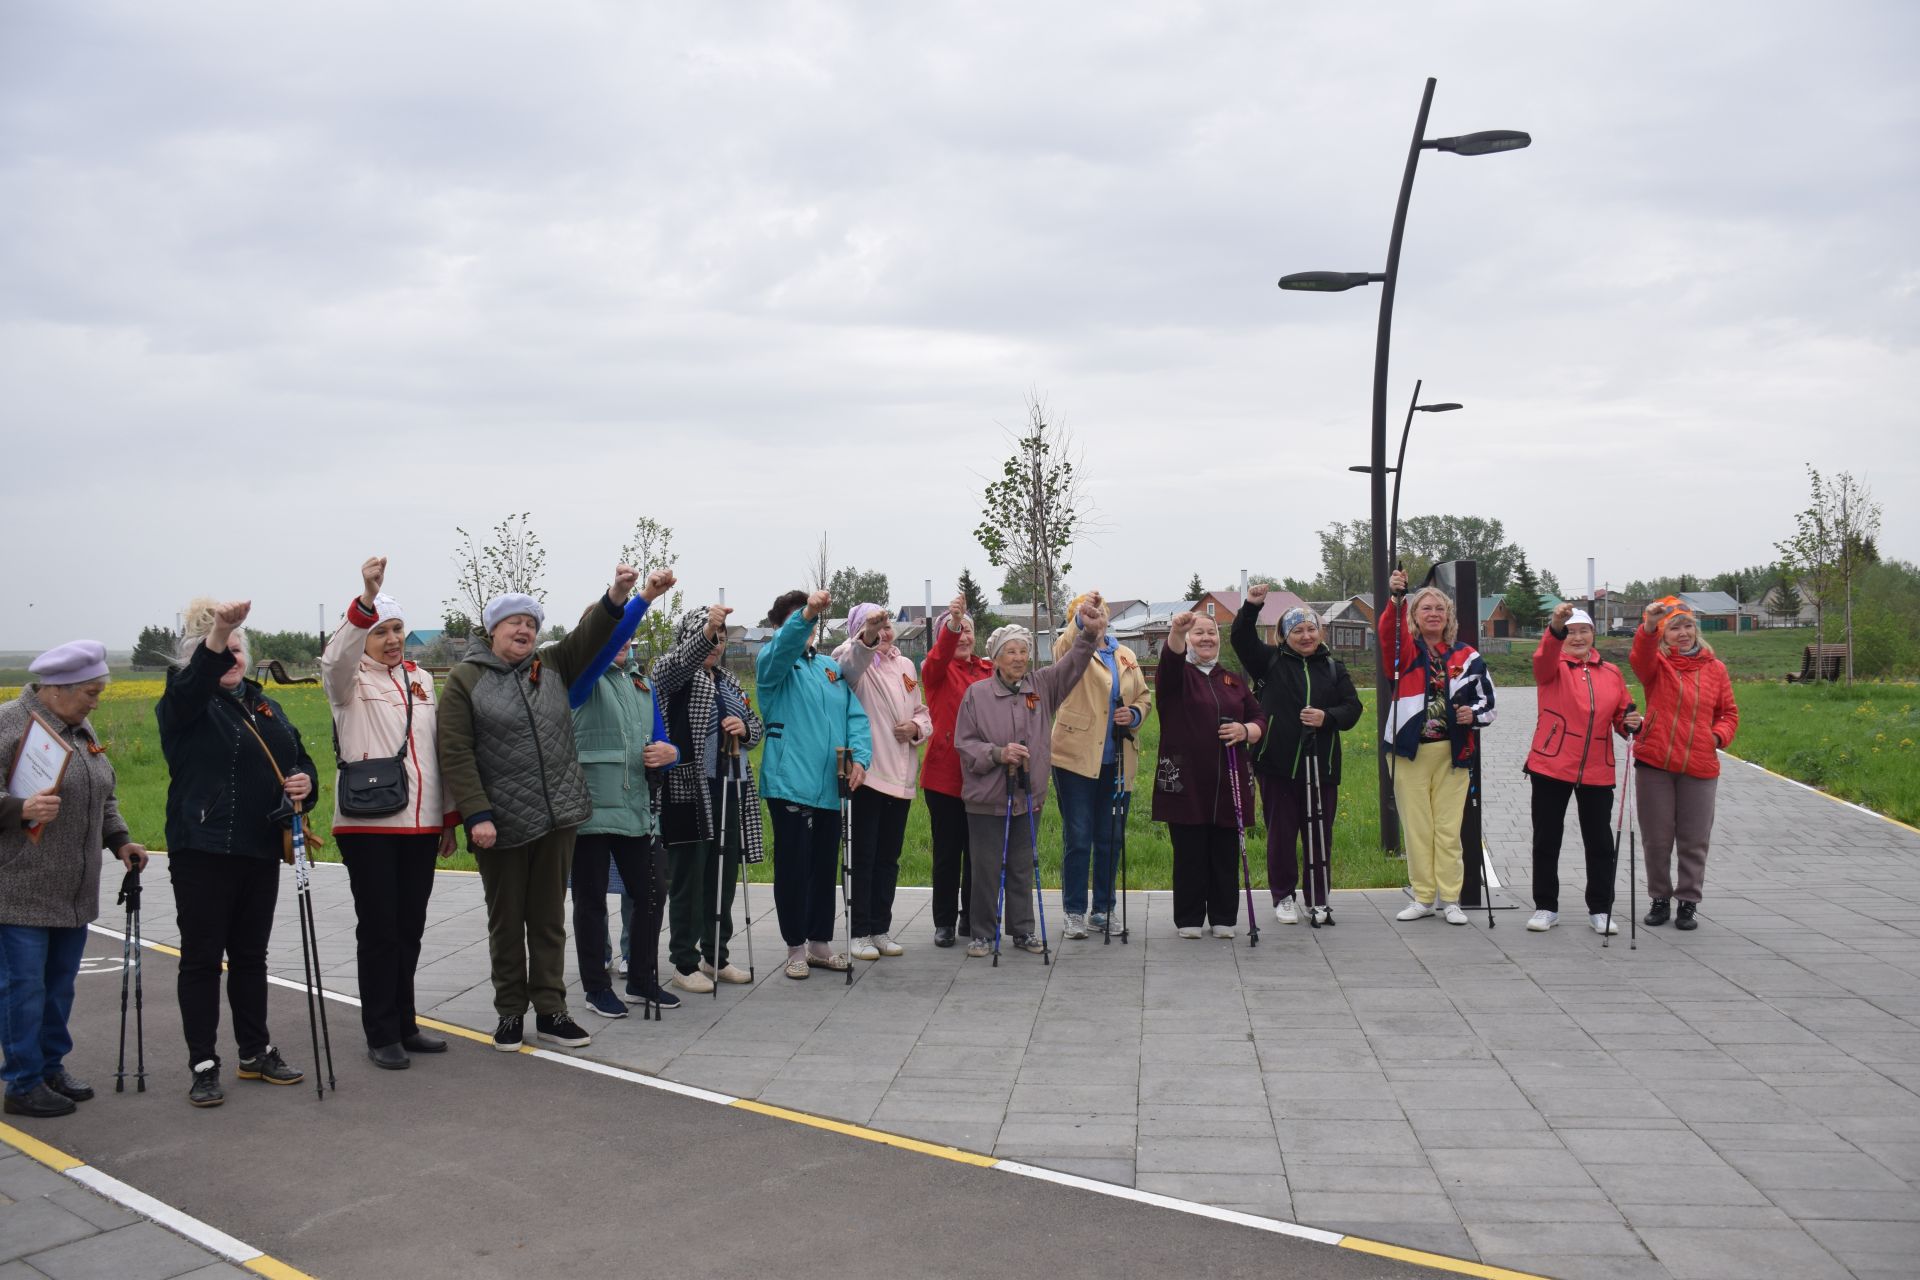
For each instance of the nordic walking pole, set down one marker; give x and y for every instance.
(719, 877)
(1633, 841)
(1033, 839)
(1116, 832)
(845, 755)
(129, 969)
(1000, 900)
(746, 899)
(1240, 834)
(1120, 817)
(139, 997)
(1317, 824)
(650, 1007)
(303, 895)
(1486, 856)
(306, 948)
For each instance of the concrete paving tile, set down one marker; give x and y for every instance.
(1264, 1194)
(1582, 1267)
(22, 1178)
(1207, 1155)
(1551, 1204)
(1371, 1085)
(1350, 1136)
(1727, 1100)
(1474, 1092)
(1804, 1135)
(1638, 1146)
(1335, 1109)
(1044, 1098)
(1843, 1237)
(98, 1210)
(1449, 1239)
(1604, 1239)
(216, 1271)
(1115, 1169)
(34, 1224)
(140, 1252)
(1174, 1120)
(1662, 1183)
(1491, 1166)
(1902, 1158)
(1764, 1216)
(1814, 1171)
(1390, 1179)
(1863, 1206)
(1726, 1254)
(1318, 1208)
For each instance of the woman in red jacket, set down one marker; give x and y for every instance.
(1691, 716)
(949, 670)
(1583, 703)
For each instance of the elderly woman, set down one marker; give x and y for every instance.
(1444, 696)
(1004, 737)
(50, 843)
(1583, 703)
(883, 679)
(950, 670)
(812, 716)
(383, 709)
(621, 738)
(1690, 719)
(508, 761)
(1205, 711)
(1093, 752)
(1309, 701)
(712, 722)
(237, 770)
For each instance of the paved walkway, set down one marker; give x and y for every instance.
(1736, 1102)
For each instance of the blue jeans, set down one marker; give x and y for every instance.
(37, 967)
(1090, 834)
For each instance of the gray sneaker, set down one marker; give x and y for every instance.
(1076, 926)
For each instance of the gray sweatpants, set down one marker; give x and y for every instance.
(1674, 808)
(985, 835)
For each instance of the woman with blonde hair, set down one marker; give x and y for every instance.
(1444, 696)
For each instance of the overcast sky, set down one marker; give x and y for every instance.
(282, 287)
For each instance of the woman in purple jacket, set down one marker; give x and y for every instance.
(1204, 710)
(1004, 730)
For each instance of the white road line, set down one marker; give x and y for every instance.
(1118, 1192)
(175, 1220)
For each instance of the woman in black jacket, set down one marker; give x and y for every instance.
(1310, 701)
(237, 771)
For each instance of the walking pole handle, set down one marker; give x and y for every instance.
(843, 762)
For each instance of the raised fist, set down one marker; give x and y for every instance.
(659, 582)
(717, 620)
(624, 576)
(1257, 593)
(817, 604)
(373, 575)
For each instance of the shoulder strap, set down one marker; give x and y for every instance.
(406, 737)
(246, 722)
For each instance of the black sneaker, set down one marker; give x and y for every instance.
(206, 1091)
(507, 1036)
(561, 1029)
(943, 935)
(40, 1102)
(68, 1085)
(606, 1004)
(638, 994)
(1030, 942)
(1657, 913)
(1683, 919)
(270, 1067)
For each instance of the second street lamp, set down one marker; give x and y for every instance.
(1469, 144)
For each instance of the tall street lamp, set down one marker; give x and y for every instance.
(1471, 144)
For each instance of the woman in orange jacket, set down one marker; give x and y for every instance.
(1691, 716)
(1583, 703)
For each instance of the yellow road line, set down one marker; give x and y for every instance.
(1438, 1261)
(28, 1145)
(275, 1269)
(954, 1154)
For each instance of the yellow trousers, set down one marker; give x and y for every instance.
(1432, 798)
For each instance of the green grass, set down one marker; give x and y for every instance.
(125, 723)
(1861, 744)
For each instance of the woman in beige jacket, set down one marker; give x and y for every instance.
(1095, 757)
(383, 708)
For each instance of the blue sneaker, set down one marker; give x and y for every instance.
(660, 996)
(1098, 920)
(606, 1004)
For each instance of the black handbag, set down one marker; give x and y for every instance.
(377, 787)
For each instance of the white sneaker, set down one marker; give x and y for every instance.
(1415, 911)
(1223, 931)
(698, 983)
(863, 949)
(1454, 914)
(1076, 926)
(1286, 912)
(1545, 920)
(1604, 924)
(1189, 933)
(888, 947)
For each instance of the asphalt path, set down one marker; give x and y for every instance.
(480, 1163)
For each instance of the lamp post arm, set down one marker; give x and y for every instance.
(1399, 465)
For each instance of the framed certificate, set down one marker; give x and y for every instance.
(39, 765)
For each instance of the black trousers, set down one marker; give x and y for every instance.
(1594, 805)
(879, 828)
(952, 859)
(1206, 874)
(641, 865)
(806, 865)
(391, 877)
(223, 904)
(1293, 839)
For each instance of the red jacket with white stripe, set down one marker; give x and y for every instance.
(1583, 704)
(1690, 709)
(369, 703)
(945, 681)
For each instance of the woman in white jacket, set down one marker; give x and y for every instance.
(383, 709)
(884, 680)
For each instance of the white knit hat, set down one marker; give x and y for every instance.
(1580, 617)
(512, 602)
(1004, 636)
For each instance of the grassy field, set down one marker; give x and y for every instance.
(1861, 744)
(125, 722)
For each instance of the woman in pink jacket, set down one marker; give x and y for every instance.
(383, 708)
(883, 679)
(1583, 703)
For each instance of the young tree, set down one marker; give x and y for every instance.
(512, 559)
(1195, 588)
(1033, 514)
(456, 624)
(1433, 539)
(1833, 539)
(1346, 561)
(984, 620)
(1786, 600)
(1523, 596)
(156, 647)
(851, 586)
(650, 548)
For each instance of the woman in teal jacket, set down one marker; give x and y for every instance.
(810, 713)
(621, 740)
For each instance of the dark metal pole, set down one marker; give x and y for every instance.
(1399, 467)
(1389, 818)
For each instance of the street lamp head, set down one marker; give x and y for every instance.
(1367, 470)
(1328, 281)
(1437, 408)
(1483, 143)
